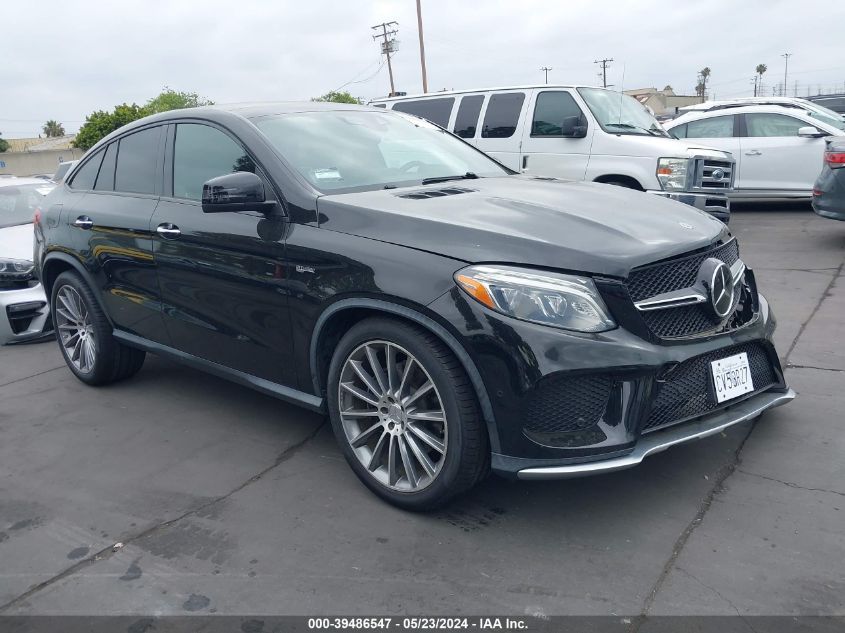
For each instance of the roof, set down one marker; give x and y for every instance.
(40, 144)
(447, 93)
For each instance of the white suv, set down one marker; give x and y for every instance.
(778, 147)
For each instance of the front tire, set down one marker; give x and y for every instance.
(405, 414)
(85, 335)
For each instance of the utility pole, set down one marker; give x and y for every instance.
(786, 56)
(422, 47)
(604, 62)
(754, 81)
(546, 70)
(387, 47)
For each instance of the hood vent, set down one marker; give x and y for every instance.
(423, 194)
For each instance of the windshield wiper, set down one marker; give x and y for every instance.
(628, 126)
(467, 176)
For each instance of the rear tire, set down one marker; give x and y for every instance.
(85, 336)
(436, 442)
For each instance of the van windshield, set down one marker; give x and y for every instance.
(358, 150)
(618, 113)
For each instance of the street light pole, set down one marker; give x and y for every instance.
(786, 56)
(422, 47)
(546, 70)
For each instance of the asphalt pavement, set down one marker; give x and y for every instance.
(179, 493)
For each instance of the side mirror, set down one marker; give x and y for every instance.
(238, 191)
(811, 132)
(573, 127)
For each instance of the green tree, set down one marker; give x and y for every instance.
(758, 88)
(338, 97)
(4, 144)
(101, 123)
(53, 128)
(173, 100)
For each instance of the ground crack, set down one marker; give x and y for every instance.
(40, 373)
(793, 366)
(790, 484)
(108, 552)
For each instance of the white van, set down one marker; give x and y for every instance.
(580, 133)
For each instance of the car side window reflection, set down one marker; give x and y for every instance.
(201, 153)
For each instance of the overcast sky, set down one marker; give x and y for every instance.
(64, 59)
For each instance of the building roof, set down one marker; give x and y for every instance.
(40, 144)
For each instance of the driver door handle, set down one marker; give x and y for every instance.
(168, 230)
(754, 152)
(83, 222)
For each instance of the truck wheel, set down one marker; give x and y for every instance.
(85, 335)
(405, 414)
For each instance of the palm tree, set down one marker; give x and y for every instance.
(761, 68)
(53, 128)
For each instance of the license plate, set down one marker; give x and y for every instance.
(731, 377)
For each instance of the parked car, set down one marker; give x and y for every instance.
(450, 315)
(829, 192)
(580, 133)
(834, 102)
(778, 148)
(24, 314)
(63, 169)
(815, 110)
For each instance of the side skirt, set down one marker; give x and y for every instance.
(276, 390)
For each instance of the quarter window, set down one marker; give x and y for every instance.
(201, 153)
(87, 174)
(435, 110)
(772, 125)
(105, 180)
(553, 112)
(136, 162)
(466, 120)
(502, 115)
(715, 127)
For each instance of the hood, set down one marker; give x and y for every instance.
(575, 226)
(660, 146)
(16, 242)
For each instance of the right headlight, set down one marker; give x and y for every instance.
(565, 301)
(672, 173)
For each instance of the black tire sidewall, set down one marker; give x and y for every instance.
(446, 483)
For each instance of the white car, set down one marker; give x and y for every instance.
(778, 147)
(815, 110)
(579, 133)
(24, 313)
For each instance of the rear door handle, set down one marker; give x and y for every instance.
(84, 222)
(168, 230)
(753, 152)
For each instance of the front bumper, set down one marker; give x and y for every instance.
(522, 364)
(661, 440)
(24, 315)
(716, 205)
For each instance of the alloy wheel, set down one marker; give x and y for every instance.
(76, 332)
(393, 416)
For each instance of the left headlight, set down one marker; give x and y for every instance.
(16, 269)
(672, 173)
(565, 301)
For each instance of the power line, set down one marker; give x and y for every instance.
(388, 46)
(604, 62)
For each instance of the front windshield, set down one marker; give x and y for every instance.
(618, 113)
(357, 150)
(18, 203)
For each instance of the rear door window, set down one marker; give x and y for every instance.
(87, 174)
(715, 127)
(466, 121)
(502, 115)
(105, 180)
(137, 158)
(552, 110)
(435, 110)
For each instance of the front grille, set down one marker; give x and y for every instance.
(563, 404)
(674, 274)
(704, 179)
(687, 391)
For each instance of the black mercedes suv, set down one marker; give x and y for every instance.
(449, 315)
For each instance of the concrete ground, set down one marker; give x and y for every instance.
(227, 501)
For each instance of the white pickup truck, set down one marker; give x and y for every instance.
(580, 133)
